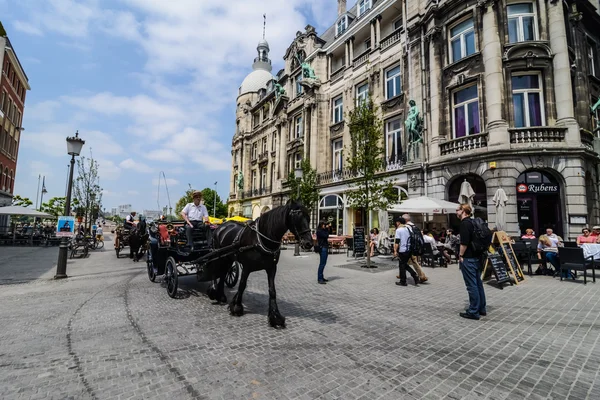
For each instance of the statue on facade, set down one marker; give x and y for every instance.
(414, 124)
(279, 91)
(307, 71)
(593, 109)
(240, 180)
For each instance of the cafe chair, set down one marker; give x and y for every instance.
(572, 259)
(524, 253)
(430, 259)
(349, 246)
(570, 244)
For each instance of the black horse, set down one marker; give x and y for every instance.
(138, 237)
(259, 248)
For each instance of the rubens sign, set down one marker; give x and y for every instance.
(537, 188)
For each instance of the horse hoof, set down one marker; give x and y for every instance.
(223, 299)
(212, 293)
(236, 310)
(277, 321)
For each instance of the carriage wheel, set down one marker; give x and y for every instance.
(233, 274)
(99, 244)
(172, 277)
(150, 268)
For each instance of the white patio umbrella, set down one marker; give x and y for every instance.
(424, 205)
(500, 199)
(384, 223)
(18, 210)
(466, 193)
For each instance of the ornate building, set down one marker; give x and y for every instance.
(505, 88)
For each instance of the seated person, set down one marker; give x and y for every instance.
(586, 237)
(128, 223)
(195, 215)
(595, 231)
(428, 238)
(548, 248)
(451, 245)
(529, 234)
(374, 239)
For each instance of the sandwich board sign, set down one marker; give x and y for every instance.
(65, 226)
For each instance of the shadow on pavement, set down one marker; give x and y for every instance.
(23, 264)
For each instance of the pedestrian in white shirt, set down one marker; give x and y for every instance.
(195, 215)
(401, 251)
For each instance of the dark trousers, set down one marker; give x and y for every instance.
(403, 265)
(196, 225)
(471, 268)
(322, 261)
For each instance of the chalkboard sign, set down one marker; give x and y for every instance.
(512, 260)
(499, 268)
(359, 240)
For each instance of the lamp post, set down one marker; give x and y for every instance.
(74, 145)
(298, 174)
(215, 202)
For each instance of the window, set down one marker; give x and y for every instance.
(338, 109)
(592, 58)
(341, 25)
(527, 100)
(255, 119)
(462, 40)
(4, 179)
(263, 177)
(362, 93)
(393, 86)
(522, 24)
(237, 127)
(363, 6)
(274, 141)
(254, 179)
(337, 152)
(264, 145)
(398, 24)
(298, 79)
(254, 151)
(297, 160)
(367, 44)
(298, 130)
(272, 175)
(9, 185)
(465, 107)
(393, 141)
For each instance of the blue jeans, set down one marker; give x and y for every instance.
(552, 258)
(324, 253)
(470, 268)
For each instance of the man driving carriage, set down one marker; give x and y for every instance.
(128, 223)
(195, 215)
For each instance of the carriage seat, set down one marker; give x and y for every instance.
(199, 236)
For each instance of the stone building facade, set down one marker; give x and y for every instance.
(504, 88)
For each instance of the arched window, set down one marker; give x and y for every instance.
(9, 186)
(331, 208)
(4, 179)
(1, 178)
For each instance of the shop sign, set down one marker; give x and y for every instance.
(537, 188)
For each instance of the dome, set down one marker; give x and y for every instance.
(256, 80)
(263, 43)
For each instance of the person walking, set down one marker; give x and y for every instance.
(413, 259)
(470, 265)
(322, 242)
(401, 251)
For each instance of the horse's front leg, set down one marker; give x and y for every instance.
(221, 297)
(235, 307)
(276, 320)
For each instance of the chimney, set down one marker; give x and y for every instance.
(341, 7)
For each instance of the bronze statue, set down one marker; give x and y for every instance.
(240, 180)
(593, 109)
(414, 124)
(279, 91)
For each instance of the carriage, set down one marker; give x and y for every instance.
(170, 255)
(122, 239)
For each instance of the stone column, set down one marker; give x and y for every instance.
(346, 53)
(497, 127)
(434, 93)
(562, 73)
(377, 30)
(373, 38)
(329, 61)
(351, 47)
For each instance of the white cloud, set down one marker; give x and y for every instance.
(27, 28)
(170, 182)
(165, 155)
(107, 170)
(135, 165)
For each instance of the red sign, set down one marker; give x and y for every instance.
(522, 188)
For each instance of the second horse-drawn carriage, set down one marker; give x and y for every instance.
(171, 256)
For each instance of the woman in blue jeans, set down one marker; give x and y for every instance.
(322, 236)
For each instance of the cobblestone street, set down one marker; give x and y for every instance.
(108, 332)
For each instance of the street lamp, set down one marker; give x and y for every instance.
(74, 145)
(215, 202)
(298, 175)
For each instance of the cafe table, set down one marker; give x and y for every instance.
(591, 249)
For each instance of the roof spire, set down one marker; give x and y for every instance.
(264, 24)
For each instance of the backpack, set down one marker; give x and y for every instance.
(416, 242)
(482, 236)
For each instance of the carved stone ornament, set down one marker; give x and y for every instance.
(414, 181)
(486, 3)
(392, 103)
(462, 170)
(528, 55)
(539, 162)
(433, 33)
(463, 66)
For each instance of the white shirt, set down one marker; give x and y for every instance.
(195, 212)
(129, 218)
(99, 231)
(429, 239)
(403, 234)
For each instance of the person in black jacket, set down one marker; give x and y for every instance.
(322, 236)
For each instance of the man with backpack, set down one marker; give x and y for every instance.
(416, 247)
(473, 236)
(402, 251)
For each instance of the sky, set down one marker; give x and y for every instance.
(150, 85)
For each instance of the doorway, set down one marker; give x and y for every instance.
(538, 203)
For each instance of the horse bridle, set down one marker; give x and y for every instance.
(254, 227)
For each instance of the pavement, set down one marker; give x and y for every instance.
(107, 332)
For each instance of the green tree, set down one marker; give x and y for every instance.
(368, 191)
(208, 198)
(87, 190)
(309, 193)
(21, 201)
(55, 206)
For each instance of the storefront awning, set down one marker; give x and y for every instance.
(424, 205)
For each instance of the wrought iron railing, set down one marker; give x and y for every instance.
(466, 143)
(390, 39)
(536, 134)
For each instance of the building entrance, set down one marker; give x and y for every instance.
(538, 203)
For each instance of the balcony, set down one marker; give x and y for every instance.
(335, 176)
(295, 143)
(390, 39)
(394, 164)
(257, 192)
(587, 140)
(232, 196)
(466, 143)
(537, 134)
(337, 75)
(361, 59)
(263, 157)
